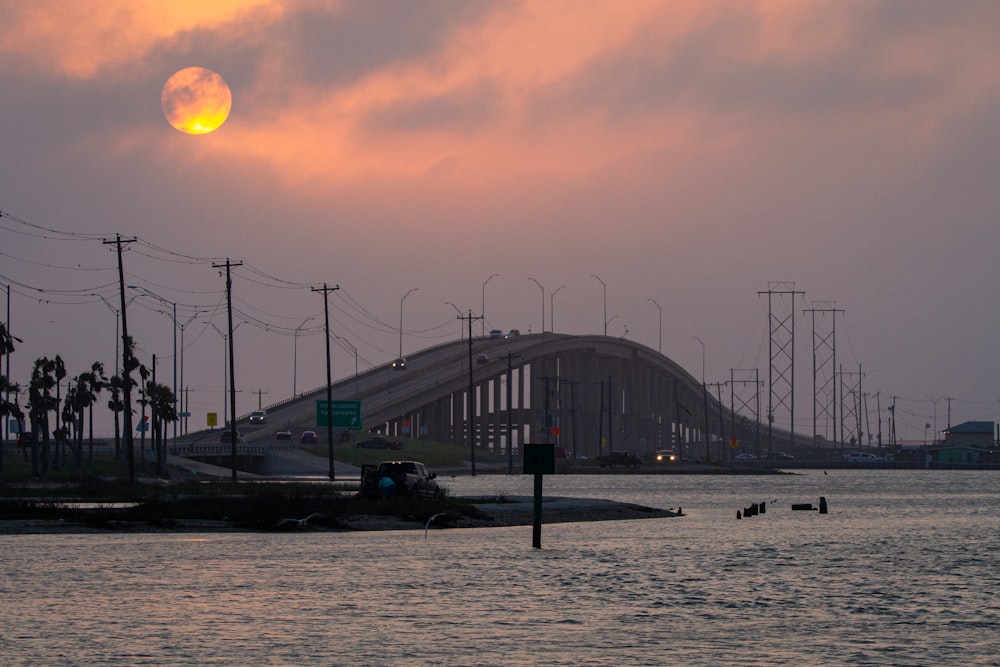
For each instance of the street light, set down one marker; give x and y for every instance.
(659, 347)
(543, 302)
(225, 348)
(702, 358)
(704, 390)
(495, 275)
(552, 309)
(225, 376)
(461, 331)
(400, 364)
(185, 408)
(295, 356)
(173, 305)
(606, 320)
(935, 402)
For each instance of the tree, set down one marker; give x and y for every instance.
(6, 408)
(164, 411)
(44, 377)
(80, 400)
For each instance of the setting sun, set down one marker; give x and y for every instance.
(196, 100)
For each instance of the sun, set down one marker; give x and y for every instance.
(196, 100)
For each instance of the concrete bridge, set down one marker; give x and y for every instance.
(588, 394)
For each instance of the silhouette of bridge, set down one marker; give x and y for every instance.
(588, 394)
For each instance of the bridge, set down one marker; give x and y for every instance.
(587, 393)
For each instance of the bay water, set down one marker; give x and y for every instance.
(903, 570)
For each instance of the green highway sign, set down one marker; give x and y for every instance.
(346, 414)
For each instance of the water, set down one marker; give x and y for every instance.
(903, 571)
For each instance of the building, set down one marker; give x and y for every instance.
(972, 434)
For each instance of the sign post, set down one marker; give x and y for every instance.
(539, 460)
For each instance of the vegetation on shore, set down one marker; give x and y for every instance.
(265, 506)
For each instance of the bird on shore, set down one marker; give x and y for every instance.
(299, 523)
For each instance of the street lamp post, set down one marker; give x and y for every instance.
(492, 276)
(225, 348)
(543, 301)
(185, 408)
(295, 356)
(605, 288)
(357, 391)
(659, 347)
(552, 308)
(173, 305)
(401, 319)
(704, 388)
(935, 402)
(461, 331)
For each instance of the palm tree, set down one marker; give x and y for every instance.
(80, 400)
(40, 403)
(117, 406)
(164, 410)
(96, 382)
(6, 408)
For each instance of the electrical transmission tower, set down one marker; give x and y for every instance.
(745, 402)
(781, 349)
(824, 336)
(850, 410)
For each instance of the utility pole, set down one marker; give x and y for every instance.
(471, 402)
(329, 383)
(892, 423)
(127, 360)
(600, 424)
(232, 375)
(259, 392)
(611, 406)
(878, 411)
(718, 386)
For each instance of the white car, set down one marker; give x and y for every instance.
(863, 457)
(746, 457)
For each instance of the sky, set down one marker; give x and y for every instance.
(669, 162)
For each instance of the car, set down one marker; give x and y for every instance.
(513, 333)
(482, 358)
(309, 436)
(780, 456)
(665, 456)
(496, 333)
(226, 436)
(379, 442)
(283, 435)
(25, 439)
(258, 417)
(746, 457)
(863, 457)
(399, 364)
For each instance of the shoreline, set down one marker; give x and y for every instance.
(513, 511)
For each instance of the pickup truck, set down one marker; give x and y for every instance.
(620, 458)
(410, 479)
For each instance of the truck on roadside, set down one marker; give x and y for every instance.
(619, 458)
(409, 479)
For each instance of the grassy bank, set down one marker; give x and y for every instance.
(263, 506)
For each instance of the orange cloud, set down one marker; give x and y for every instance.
(79, 40)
